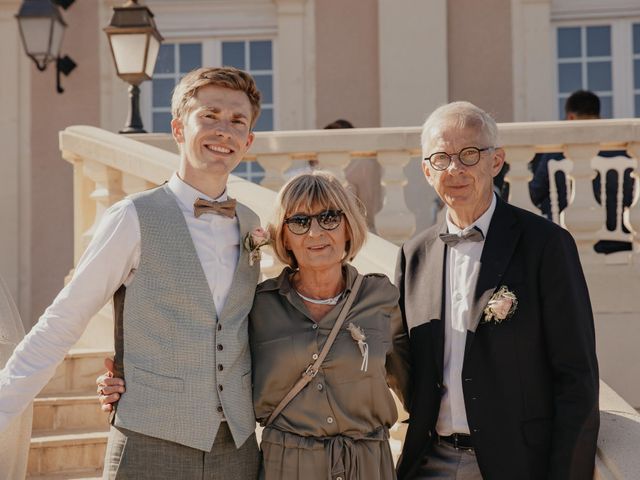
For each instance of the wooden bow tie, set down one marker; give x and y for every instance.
(226, 208)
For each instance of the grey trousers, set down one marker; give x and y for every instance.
(132, 455)
(444, 462)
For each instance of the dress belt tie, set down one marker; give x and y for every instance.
(341, 451)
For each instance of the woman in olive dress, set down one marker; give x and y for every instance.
(337, 427)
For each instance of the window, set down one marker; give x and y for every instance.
(177, 59)
(174, 60)
(256, 58)
(585, 62)
(601, 56)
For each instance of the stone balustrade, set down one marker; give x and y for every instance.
(398, 152)
(107, 167)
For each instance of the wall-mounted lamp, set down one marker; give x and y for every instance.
(42, 28)
(135, 42)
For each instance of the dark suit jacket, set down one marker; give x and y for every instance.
(530, 383)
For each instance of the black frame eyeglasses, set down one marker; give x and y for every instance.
(468, 156)
(300, 223)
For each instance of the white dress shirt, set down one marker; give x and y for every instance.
(111, 260)
(461, 275)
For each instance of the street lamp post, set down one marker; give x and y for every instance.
(42, 29)
(135, 42)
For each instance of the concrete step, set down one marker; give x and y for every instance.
(68, 411)
(79, 475)
(77, 373)
(66, 452)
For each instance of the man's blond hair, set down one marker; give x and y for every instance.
(227, 77)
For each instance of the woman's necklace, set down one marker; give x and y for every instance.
(322, 301)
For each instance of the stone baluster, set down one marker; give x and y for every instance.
(565, 165)
(335, 163)
(603, 166)
(632, 216)
(518, 176)
(132, 184)
(84, 209)
(395, 222)
(583, 216)
(107, 191)
(274, 167)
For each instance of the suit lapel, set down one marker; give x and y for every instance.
(500, 243)
(245, 276)
(433, 288)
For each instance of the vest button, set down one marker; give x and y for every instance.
(329, 419)
(220, 367)
(314, 356)
(219, 409)
(220, 387)
(220, 347)
(314, 326)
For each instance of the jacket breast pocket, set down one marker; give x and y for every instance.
(156, 381)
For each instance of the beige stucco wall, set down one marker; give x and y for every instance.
(480, 60)
(51, 177)
(347, 80)
(413, 60)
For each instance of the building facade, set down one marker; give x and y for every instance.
(377, 63)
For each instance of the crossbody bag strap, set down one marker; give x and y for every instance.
(312, 370)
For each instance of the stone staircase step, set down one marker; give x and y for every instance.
(65, 452)
(77, 373)
(68, 411)
(78, 475)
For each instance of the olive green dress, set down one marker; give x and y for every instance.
(337, 427)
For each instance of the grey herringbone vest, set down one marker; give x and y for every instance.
(181, 361)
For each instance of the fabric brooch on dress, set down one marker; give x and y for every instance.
(501, 306)
(253, 241)
(358, 335)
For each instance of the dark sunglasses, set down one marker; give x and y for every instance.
(299, 224)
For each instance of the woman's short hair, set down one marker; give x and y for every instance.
(227, 77)
(460, 115)
(312, 190)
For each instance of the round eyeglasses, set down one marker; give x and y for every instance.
(300, 223)
(468, 156)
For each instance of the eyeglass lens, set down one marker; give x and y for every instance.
(468, 156)
(300, 224)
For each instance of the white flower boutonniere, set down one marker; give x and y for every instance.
(501, 306)
(258, 237)
(358, 335)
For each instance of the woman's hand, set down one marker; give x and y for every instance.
(109, 387)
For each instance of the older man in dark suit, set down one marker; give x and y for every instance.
(505, 376)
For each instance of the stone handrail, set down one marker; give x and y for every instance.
(108, 167)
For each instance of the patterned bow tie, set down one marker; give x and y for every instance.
(226, 208)
(452, 239)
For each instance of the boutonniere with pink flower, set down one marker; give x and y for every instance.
(253, 241)
(501, 306)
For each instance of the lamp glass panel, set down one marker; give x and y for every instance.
(128, 52)
(56, 38)
(152, 55)
(35, 31)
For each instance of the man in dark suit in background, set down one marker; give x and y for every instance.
(504, 370)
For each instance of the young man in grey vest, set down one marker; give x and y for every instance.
(174, 262)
